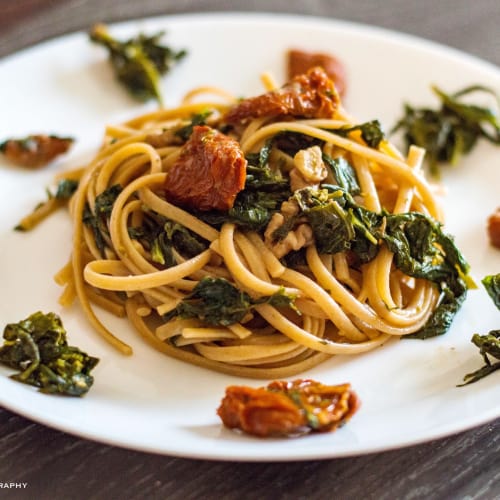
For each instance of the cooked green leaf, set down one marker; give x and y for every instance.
(38, 348)
(420, 247)
(218, 302)
(64, 190)
(161, 236)
(338, 223)
(371, 132)
(293, 142)
(489, 346)
(97, 219)
(422, 250)
(492, 285)
(344, 174)
(254, 206)
(451, 131)
(198, 119)
(138, 62)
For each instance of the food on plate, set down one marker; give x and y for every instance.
(209, 172)
(138, 62)
(489, 346)
(451, 131)
(285, 408)
(492, 285)
(217, 302)
(302, 235)
(494, 228)
(309, 95)
(38, 348)
(35, 151)
(64, 190)
(301, 61)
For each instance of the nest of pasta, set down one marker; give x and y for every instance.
(259, 237)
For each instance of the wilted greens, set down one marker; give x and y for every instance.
(197, 119)
(492, 285)
(371, 132)
(217, 302)
(262, 196)
(64, 190)
(138, 62)
(489, 346)
(421, 249)
(38, 348)
(344, 174)
(292, 142)
(339, 224)
(161, 236)
(97, 219)
(451, 131)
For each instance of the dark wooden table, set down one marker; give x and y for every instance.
(56, 465)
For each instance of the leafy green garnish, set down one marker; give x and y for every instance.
(161, 235)
(97, 220)
(344, 174)
(217, 302)
(421, 248)
(492, 285)
(293, 142)
(197, 119)
(138, 62)
(37, 347)
(451, 131)
(489, 345)
(371, 132)
(337, 221)
(265, 190)
(64, 190)
(262, 196)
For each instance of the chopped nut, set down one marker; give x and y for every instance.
(289, 208)
(309, 168)
(300, 236)
(310, 164)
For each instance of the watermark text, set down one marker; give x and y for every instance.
(12, 485)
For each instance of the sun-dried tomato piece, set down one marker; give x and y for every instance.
(209, 172)
(494, 228)
(260, 412)
(35, 150)
(310, 95)
(287, 408)
(300, 62)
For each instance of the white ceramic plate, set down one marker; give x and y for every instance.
(153, 403)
